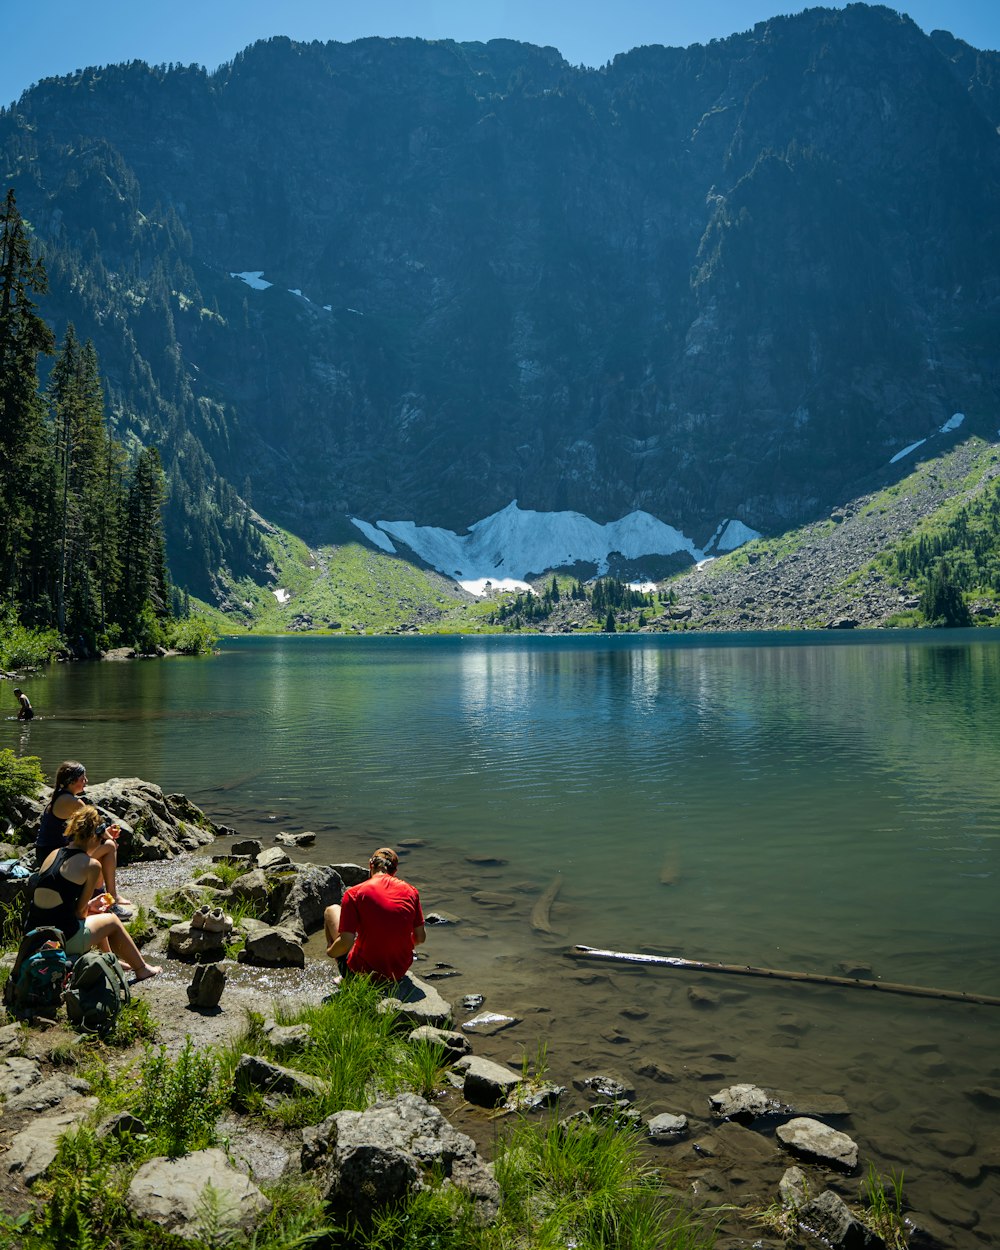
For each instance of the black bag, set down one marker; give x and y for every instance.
(96, 993)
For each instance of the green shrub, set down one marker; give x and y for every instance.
(193, 636)
(181, 1102)
(20, 778)
(21, 647)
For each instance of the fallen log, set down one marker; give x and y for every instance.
(541, 913)
(777, 974)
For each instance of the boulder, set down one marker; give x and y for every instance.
(417, 1003)
(486, 1084)
(152, 826)
(274, 857)
(172, 1194)
(454, 1045)
(377, 1158)
(817, 1142)
(288, 1037)
(253, 889)
(274, 1082)
(16, 1074)
(295, 839)
(250, 847)
(123, 1124)
(206, 989)
(272, 948)
(351, 874)
(488, 1023)
(829, 1217)
(44, 1095)
(195, 945)
(606, 1085)
(307, 896)
(793, 1189)
(666, 1127)
(33, 1149)
(742, 1103)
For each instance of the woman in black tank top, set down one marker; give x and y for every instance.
(63, 897)
(67, 799)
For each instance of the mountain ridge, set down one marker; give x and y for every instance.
(724, 281)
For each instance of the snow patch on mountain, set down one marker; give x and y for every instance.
(507, 547)
(253, 278)
(952, 423)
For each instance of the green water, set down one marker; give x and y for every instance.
(803, 800)
(792, 801)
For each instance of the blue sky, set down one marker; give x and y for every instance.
(50, 37)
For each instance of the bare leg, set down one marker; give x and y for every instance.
(107, 856)
(108, 931)
(331, 925)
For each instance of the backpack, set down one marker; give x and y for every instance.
(96, 993)
(41, 970)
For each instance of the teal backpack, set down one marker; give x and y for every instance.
(38, 978)
(96, 993)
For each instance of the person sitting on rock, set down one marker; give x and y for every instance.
(377, 923)
(66, 801)
(64, 897)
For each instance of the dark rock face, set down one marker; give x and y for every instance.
(707, 282)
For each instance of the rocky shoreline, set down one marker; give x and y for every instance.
(784, 1151)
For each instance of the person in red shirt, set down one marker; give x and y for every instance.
(377, 923)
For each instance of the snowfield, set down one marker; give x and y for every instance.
(513, 544)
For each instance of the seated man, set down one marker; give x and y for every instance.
(377, 923)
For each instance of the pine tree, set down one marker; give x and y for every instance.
(23, 337)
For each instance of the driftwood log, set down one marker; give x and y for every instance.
(776, 974)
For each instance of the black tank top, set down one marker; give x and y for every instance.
(63, 916)
(51, 830)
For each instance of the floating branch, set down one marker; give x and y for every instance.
(776, 974)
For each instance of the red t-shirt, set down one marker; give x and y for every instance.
(382, 912)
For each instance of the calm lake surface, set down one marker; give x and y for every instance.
(792, 801)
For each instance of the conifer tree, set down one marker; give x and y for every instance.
(23, 337)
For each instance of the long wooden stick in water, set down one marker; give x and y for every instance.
(747, 970)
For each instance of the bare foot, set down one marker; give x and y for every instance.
(122, 901)
(149, 970)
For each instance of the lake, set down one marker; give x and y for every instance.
(796, 801)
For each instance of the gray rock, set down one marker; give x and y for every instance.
(301, 905)
(251, 847)
(172, 1194)
(206, 989)
(288, 1037)
(12, 1038)
(486, 1084)
(830, 1218)
(441, 917)
(606, 1085)
(185, 942)
(532, 1097)
(742, 1103)
(377, 1158)
(211, 881)
(44, 1095)
(792, 1188)
(817, 1142)
(272, 948)
(455, 1045)
(252, 888)
(417, 1003)
(271, 1080)
(121, 1125)
(666, 1127)
(489, 1023)
(16, 1074)
(295, 839)
(274, 857)
(471, 1001)
(152, 826)
(351, 874)
(33, 1149)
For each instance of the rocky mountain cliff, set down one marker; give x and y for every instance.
(418, 280)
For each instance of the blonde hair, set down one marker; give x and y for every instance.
(83, 825)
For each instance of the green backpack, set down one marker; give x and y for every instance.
(96, 993)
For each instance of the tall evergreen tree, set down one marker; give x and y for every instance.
(23, 337)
